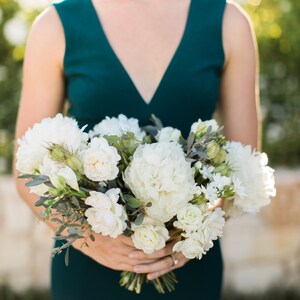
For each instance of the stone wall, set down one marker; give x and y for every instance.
(259, 251)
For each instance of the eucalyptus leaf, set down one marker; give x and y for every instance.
(190, 140)
(209, 129)
(34, 182)
(139, 220)
(41, 201)
(25, 176)
(156, 121)
(75, 201)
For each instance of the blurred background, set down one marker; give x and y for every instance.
(261, 253)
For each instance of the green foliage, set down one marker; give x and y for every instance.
(276, 25)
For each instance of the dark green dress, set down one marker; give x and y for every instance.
(97, 85)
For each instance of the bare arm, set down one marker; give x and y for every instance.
(43, 96)
(239, 96)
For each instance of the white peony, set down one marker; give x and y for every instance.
(100, 160)
(168, 134)
(256, 180)
(118, 126)
(106, 216)
(159, 173)
(150, 236)
(201, 126)
(33, 146)
(64, 176)
(190, 248)
(189, 218)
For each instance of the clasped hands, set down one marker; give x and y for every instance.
(120, 254)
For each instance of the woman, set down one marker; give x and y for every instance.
(178, 59)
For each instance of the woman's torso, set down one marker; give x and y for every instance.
(97, 85)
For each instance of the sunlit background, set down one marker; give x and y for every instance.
(261, 253)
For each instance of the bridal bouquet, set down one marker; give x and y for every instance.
(148, 183)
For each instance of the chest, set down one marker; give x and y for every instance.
(144, 36)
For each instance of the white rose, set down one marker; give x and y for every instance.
(168, 134)
(190, 248)
(64, 176)
(106, 216)
(159, 173)
(189, 218)
(100, 160)
(118, 126)
(150, 236)
(33, 146)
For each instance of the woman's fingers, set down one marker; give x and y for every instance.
(156, 266)
(182, 260)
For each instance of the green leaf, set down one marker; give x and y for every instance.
(34, 183)
(67, 256)
(190, 140)
(139, 220)
(75, 201)
(209, 129)
(41, 201)
(156, 121)
(25, 176)
(134, 202)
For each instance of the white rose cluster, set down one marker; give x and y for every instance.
(118, 126)
(100, 160)
(252, 179)
(159, 173)
(106, 216)
(150, 236)
(200, 227)
(33, 147)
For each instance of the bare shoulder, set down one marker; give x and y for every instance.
(47, 35)
(238, 31)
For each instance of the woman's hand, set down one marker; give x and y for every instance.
(113, 253)
(163, 261)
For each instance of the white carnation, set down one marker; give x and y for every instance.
(256, 179)
(33, 146)
(100, 160)
(159, 173)
(212, 227)
(168, 134)
(190, 248)
(118, 126)
(220, 182)
(189, 218)
(106, 216)
(150, 236)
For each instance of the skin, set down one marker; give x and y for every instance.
(145, 34)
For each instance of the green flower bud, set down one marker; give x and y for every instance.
(74, 163)
(212, 149)
(220, 157)
(223, 169)
(58, 182)
(58, 153)
(129, 144)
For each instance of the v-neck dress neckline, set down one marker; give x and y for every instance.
(120, 65)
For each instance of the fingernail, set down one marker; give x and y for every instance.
(137, 269)
(150, 277)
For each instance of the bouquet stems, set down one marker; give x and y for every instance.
(133, 282)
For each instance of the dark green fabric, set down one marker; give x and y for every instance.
(97, 85)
